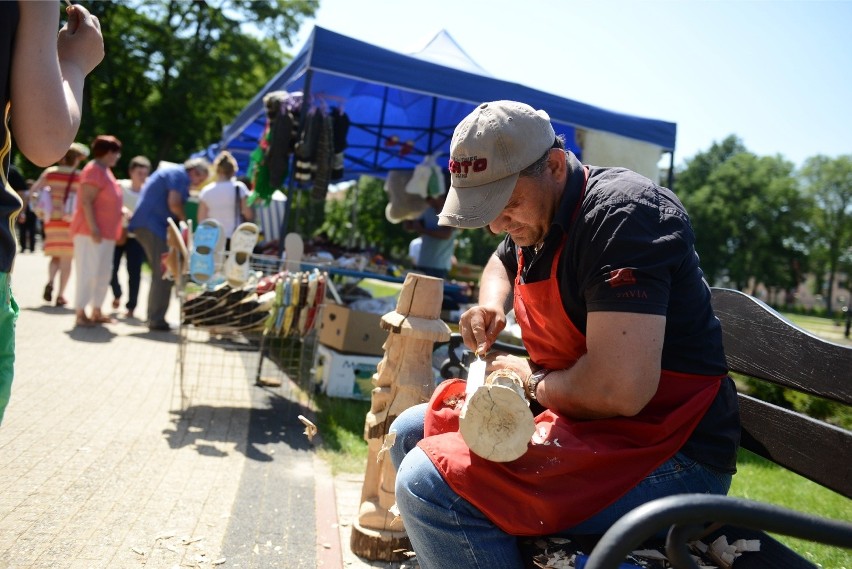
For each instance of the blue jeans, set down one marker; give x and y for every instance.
(445, 529)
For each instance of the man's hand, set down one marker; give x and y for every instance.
(480, 326)
(502, 360)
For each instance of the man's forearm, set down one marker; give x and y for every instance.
(495, 287)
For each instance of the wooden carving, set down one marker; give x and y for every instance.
(403, 378)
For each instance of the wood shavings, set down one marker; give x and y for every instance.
(557, 560)
(387, 443)
(563, 553)
(453, 402)
(747, 545)
(397, 516)
(724, 554)
(540, 436)
(310, 429)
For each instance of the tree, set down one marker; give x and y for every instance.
(703, 210)
(176, 72)
(750, 219)
(476, 245)
(357, 220)
(699, 168)
(829, 182)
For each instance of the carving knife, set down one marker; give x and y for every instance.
(475, 375)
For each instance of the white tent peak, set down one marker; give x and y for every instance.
(444, 50)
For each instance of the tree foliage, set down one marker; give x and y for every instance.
(176, 72)
(828, 181)
(750, 219)
(356, 220)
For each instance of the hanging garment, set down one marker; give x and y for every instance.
(306, 148)
(281, 144)
(324, 159)
(340, 121)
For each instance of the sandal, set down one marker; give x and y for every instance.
(243, 241)
(116, 302)
(103, 319)
(48, 292)
(208, 244)
(60, 301)
(84, 322)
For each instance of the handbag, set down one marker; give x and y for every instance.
(68, 202)
(238, 211)
(44, 205)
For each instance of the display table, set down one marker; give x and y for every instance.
(456, 292)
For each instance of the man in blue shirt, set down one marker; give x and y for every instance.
(164, 194)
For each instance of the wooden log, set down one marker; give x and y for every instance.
(496, 421)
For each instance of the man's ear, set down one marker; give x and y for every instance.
(557, 163)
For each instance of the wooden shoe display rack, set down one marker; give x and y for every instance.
(234, 339)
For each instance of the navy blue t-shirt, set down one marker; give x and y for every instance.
(10, 203)
(631, 248)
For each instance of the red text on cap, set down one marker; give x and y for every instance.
(464, 167)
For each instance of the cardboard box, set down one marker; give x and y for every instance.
(344, 375)
(351, 331)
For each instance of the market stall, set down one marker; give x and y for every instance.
(403, 107)
(343, 108)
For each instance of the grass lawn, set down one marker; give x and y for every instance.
(758, 479)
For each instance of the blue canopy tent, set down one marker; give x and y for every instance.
(392, 99)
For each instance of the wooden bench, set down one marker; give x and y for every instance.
(760, 344)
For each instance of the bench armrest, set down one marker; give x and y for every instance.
(686, 515)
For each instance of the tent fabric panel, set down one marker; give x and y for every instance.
(387, 95)
(336, 53)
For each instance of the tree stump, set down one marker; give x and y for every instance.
(403, 378)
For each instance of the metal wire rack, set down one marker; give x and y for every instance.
(228, 342)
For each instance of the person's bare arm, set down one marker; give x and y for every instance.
(248, 212)
(617, 376)
(176, 205)
(88, 193)
(40, 182)
(48, 73)
(203, 211)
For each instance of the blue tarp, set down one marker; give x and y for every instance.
(392, 98)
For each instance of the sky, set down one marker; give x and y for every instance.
(777, 74)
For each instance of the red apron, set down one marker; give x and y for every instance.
(572, 469)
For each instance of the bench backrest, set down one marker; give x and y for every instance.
(761, 344)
